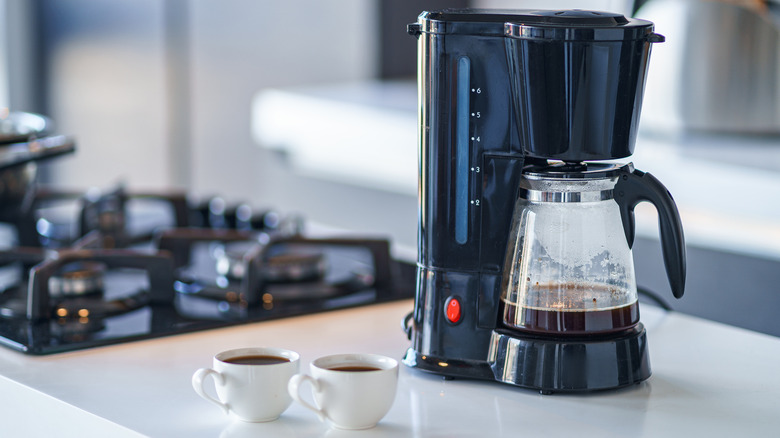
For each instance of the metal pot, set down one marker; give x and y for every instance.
(16, 188)
(24, 141)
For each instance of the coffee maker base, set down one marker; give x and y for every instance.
(562, 364)
(551, 364)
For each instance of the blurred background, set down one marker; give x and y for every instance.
(310, 105)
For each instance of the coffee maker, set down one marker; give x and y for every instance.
(525, 273)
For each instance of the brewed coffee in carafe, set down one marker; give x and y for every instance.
(568, 268)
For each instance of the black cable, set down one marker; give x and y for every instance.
(654, 297)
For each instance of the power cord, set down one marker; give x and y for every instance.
(654, 297)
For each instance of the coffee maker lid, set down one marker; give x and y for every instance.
(566, 25)
(579, 25)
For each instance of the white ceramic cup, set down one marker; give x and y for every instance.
(253, 393)
(350, 399)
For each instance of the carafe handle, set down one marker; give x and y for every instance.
(635, 186)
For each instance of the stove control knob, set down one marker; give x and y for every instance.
(452, 310)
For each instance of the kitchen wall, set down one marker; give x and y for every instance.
(105, 83)
(246, 46)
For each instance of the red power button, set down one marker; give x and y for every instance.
(453, 310)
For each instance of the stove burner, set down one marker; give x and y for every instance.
(266, 269)
(81, 278)
(230, 261)
(71, 283)
(282, 267)
(290, 268)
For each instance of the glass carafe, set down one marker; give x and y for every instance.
(569, 267)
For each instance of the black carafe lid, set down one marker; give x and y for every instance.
(575, 170)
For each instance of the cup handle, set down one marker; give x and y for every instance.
(197, 384)
(293, 387)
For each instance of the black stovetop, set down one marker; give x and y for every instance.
(167, 265)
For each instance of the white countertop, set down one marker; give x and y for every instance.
(708, 379)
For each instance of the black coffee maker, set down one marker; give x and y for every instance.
(512, 103)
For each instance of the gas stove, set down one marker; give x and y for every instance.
(80, 270)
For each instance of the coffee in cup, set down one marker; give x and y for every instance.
(352, 391)
(251, 383)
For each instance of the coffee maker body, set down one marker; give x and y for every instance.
(470, 164)
(500, 91)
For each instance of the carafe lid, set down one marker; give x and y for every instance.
(584, 170)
